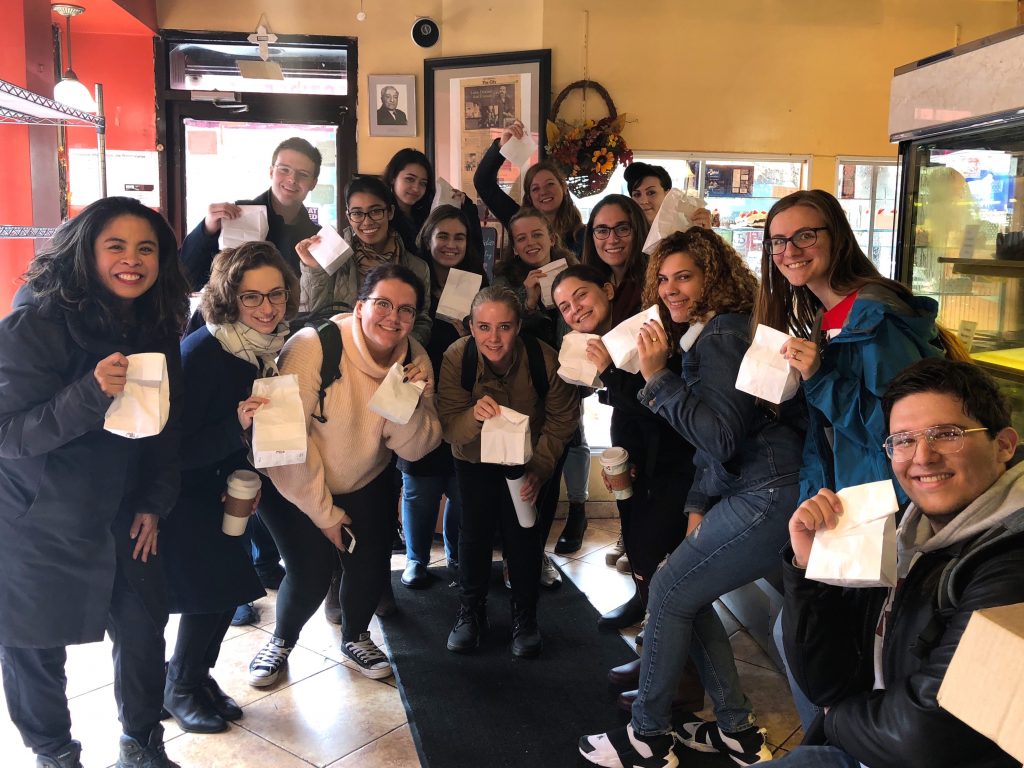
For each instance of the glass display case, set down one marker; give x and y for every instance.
(961, 241)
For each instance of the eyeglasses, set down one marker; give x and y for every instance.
(945, 438)
(375, 214)
(287, 170)
(383, 307)
(254, 299)
(621, 230)
(802, 238)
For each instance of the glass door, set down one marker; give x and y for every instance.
(866, 189)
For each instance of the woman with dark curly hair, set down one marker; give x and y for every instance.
(81, 507)
(250, 296)
(747, 466)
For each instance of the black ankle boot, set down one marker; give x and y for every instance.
(526, 639)
(470, 626)
(191, 709)
(65, 757)
(219, 701)
(332, 603)
(575, 526)
(626, 615)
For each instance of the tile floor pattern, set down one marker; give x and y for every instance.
(324, 713)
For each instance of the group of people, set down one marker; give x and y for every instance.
(722, 482)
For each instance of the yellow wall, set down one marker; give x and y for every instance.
(807, 77)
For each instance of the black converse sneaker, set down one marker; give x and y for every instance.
(369, 659)
(746, 747)
(622, 748)
(266, 666)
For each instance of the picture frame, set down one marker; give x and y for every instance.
(469, 100)
(392, 105)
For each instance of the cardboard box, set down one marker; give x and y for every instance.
(984, 685)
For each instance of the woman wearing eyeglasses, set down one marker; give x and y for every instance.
(343, 494)
(375, 243)
(614, 247)
(248, 300)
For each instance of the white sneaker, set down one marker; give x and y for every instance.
(266, 666)
(549, 575)
(748, 747)
(369, 659)
(622, 748)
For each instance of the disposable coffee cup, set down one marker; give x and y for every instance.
(525, 511)
(243, 486)
(615, 462)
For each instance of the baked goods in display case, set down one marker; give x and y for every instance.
(751, 219)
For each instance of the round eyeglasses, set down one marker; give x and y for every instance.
(802, 238)
(383, 307)
(945, 438)
(253, 299)
(621, 230)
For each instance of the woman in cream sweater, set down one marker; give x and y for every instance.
(342, 494)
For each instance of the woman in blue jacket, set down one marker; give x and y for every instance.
(80, 507)
(747, 463)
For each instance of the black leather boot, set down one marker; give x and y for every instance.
(135, 754)
(575, 526)
(626, 615)
(470, 625)
(219, 701)
(191, 709)
(526, 639)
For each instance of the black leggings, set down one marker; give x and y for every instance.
(310, 559)
(197, 647)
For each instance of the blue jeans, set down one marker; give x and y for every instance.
(738, 542)
(805, 708)
(421, 496)
(817, 757)
(577, 471)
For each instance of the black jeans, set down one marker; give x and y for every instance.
(197, 646)
(486, 503)
(34, 678)
(653, 522)
(310, 559)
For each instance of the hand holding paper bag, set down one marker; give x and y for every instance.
(141, 409)
(574, 366)
(551, 270)
(394, 399)
(251, 226)
(457, 297)
(861, 550)
(674, 215)
(764, 373)
(505, 439)
(331, 251)
(279, 426)
(620, 341)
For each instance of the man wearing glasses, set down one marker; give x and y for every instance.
(294, 168)
(873, 659)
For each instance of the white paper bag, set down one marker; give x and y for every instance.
(444, 194)
(551, 270)
(278, 427)
(394, 399)
(519, 151)
(141, 409)
(764, 373)
(505, 439)
(459, 289)
(251, 226)
(674, 215)
(861, 550)
(332, 251)
(620, 341)
(573, 365)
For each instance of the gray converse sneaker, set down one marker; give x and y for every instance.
(266, 666)
(369, 659)
(549, 575)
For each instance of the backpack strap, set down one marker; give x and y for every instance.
(534, 359)
(330, 366)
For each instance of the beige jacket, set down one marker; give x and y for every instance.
(552, 422)
(355, 444)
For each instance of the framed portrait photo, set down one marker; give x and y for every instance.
(470, 100)
(392, 105)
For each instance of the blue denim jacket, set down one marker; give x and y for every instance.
(741, 444)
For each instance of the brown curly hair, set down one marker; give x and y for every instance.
(729, 285)
(220, 298)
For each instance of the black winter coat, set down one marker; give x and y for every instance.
(69, 490)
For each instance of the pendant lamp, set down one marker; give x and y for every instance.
(70, 90)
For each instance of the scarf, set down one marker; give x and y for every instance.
(260, 349)
(369, 256)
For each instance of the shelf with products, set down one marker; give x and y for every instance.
(19, 106)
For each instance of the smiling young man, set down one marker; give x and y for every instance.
(294, 169)
(874, 658)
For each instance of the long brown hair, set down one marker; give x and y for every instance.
(636, 262)
(729, 285)
(567, 220)
(792, 309)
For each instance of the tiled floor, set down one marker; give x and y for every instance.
(326, 714)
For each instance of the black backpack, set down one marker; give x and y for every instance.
(534, 357)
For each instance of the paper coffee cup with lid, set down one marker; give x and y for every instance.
(615, 463)
(243, 485)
